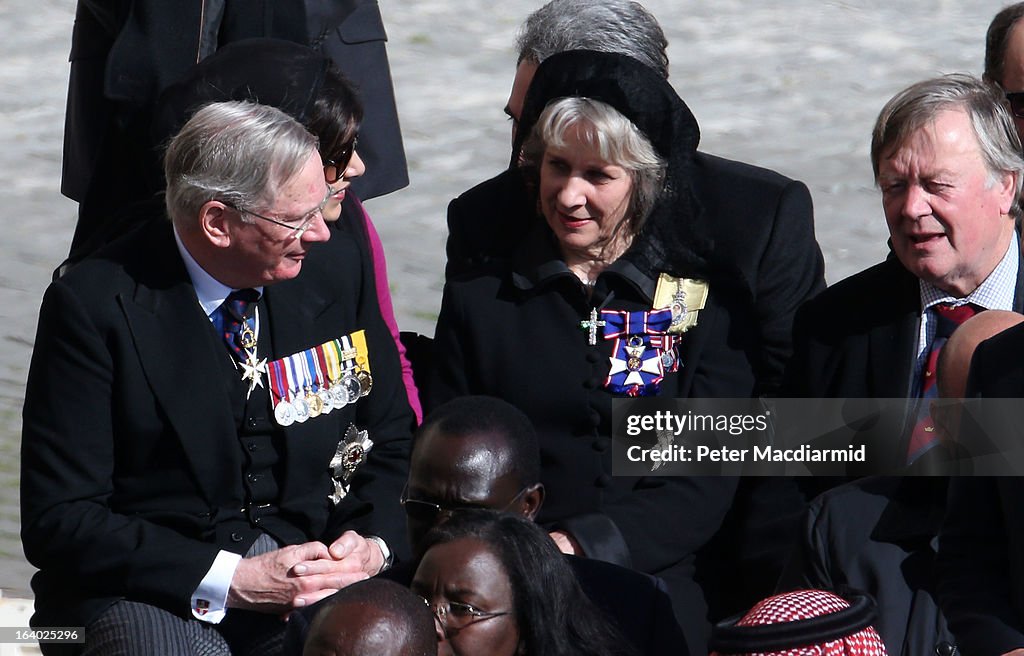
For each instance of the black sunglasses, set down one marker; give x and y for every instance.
(334, 168)
(1016, 101)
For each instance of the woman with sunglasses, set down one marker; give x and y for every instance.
(307, 85)
(498, 586)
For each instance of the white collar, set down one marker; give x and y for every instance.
(210, 291)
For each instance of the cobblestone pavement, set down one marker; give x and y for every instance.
(793, 85)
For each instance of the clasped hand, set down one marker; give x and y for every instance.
(302, 574)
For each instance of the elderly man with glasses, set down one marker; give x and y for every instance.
(214, 427)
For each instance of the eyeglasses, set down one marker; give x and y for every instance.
(455, 615)
(425, 511)
(297, 226)
(1016, 101)
(334, 169)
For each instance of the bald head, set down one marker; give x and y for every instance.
(955, 358)
(375, 617)
(955, 364)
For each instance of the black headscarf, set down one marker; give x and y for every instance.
(671, 239)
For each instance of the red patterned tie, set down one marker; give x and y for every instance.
(948, 318)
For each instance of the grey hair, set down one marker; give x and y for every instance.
(997, 40)
(616, 140)
(240, 153)
(618, 26)
(919, 104)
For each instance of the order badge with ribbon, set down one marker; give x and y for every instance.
(638, 362)
(686, 297)
(320, 379)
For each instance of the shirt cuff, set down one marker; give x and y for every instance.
(385, 551)
(209, 601)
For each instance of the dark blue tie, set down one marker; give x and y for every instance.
(233, 314)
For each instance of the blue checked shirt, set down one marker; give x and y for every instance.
(995, 293)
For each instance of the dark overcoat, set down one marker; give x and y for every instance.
(511, 328)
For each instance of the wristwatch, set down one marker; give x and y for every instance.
(389, 558)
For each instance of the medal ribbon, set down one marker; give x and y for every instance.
(313, 369)
(619, 323)
(292, 377)
(332, 353)
(362, 351)
(278, 386)
(347, 354)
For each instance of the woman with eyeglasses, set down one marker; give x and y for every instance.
(498, 586)
(307, 85)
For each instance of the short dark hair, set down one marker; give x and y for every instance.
(336, 113)
(394, 602)
(997, 40)
(554, 615)
(485, 415)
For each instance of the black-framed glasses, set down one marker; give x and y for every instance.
(334, 168)
(1016, 101)
(297, 226)
(455, 615)
(426, 511)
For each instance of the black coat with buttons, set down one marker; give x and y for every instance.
(510, 324)
(514, 333)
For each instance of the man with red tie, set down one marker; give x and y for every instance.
(946, 158)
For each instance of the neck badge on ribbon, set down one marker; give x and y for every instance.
(252, 367)
(637, 365)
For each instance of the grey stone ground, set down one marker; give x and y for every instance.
(793, 85)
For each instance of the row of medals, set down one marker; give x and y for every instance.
(352, 385)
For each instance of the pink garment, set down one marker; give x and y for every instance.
(380, 273)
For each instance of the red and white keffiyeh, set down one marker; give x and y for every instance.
(802, 623)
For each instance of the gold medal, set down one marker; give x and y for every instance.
(313, 402)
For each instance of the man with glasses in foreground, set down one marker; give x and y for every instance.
(481, 452)
(214, 424)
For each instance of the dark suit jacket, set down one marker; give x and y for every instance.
(124, 52)
(879, 535)
(858, 339)
(981, 548)
(131, 466)
(981, 564)
(351, 32)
